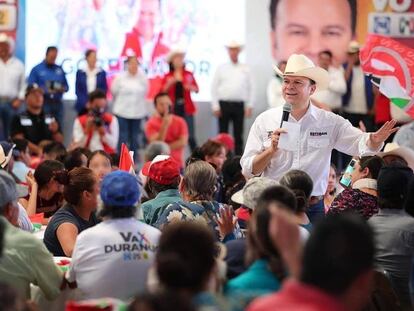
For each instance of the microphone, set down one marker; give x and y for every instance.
(287, 108)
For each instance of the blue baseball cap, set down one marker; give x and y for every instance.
(120, 188)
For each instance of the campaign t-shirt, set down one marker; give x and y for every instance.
(112, 259)
(177, 129)
(34, 127)
(66, 214)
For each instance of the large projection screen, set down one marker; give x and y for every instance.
(200, 27)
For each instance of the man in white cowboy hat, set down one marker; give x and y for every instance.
(395, 153)
(320, 131)
(232, 94)
(12, 84)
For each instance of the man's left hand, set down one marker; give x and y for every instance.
(380, 136)
(248, 112)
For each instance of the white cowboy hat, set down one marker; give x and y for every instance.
(353, 47)
(174, 52)
(251, 191)
(301, 66)
(234, 44)
(6, 152)
(394, 149)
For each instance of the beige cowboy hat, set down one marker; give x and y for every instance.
(175, 51)
(353, 47)
(301, 66)
(234, 44)
(5, 38)
(400, 151)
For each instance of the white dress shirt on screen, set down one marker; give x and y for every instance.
(320, 132)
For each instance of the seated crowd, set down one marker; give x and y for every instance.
(202, 236)
(193, 234)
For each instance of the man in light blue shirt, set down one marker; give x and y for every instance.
(51, 78)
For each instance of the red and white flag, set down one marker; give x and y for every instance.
(126, 160)
(393, 63)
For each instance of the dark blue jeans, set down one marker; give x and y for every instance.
(191, 132)
(316, 212)
(6, 114)
(129, 132)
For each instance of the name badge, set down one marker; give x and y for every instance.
(323, 132)
(26, 122)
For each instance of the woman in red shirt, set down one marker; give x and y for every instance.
(179, 83)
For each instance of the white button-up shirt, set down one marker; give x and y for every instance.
(320, 132)
(91, 78)
(232, 82)
(129, 95)
(12, 78)
(337, 87)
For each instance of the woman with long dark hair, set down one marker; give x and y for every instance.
(179, 83)
(81, 191)
(45, 190)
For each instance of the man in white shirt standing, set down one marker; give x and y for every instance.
(358, 101)
(332, 96)
(112, 259)
(232, 95)
(318, 132)
(12, 84)
(98, 129)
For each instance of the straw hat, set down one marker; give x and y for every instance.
(353, 47)
(234, 44)
(394, 149)
(174, 52)
(302, 66)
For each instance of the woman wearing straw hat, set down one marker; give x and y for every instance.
(316, 133)
(179, 83)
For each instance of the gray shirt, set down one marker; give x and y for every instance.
(405, 136)
(394, 234)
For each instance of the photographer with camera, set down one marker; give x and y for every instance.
(98, 129)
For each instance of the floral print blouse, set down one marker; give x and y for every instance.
(203, 212)
(355, 200)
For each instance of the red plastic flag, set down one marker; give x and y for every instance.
(126, 163)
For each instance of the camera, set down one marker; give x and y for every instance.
(97, 117)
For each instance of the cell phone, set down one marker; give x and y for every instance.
(346, 178)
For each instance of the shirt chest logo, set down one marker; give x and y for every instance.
(269, 134)
(318, 133)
